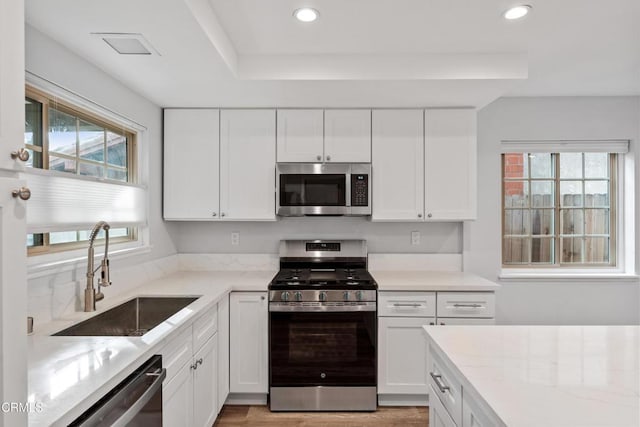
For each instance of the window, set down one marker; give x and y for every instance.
(559, 209)
(63, 138)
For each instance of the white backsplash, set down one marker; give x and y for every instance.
(228, 262)
(54, 295)
(415, 262)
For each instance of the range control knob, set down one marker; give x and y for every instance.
(346, 295)
(322, 296)
(359, 295)
(298, 296)
(284, 296)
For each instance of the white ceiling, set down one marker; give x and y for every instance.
(359, 53)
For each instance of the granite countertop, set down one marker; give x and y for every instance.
(68, 374)
(431, 281)
(554, 376)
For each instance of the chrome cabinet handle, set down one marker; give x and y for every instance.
(199, 361)
(23, 192)
(414, 305)
(222, 214)
(467, 305)
(429, 215)
(419, 215)
(194, 366)
(262, 297)
(215, 214)
(318, 158)
(328, 158)
(438, 380)
(20, 154)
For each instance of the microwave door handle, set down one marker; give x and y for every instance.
(143, 400)
(347, 191)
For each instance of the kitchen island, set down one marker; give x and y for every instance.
(534, 375)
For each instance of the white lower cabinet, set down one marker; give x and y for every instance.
(438, 415)
(190, 393)
(223, 351)
(205, 384)
(450, 402)
(248, 365)
(402, 367)
(177, 399)
(402, 350)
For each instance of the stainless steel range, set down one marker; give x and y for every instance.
(322, 328)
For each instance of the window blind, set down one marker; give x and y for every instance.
(60, 203)
(560, 146)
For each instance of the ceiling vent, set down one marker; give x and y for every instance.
(128, 43)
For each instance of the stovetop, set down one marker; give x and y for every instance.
(322, 278)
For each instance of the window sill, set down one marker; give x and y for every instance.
(581, 276)
(43, 267)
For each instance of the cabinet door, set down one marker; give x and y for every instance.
(12, 117)
(249, 345)
(438, 415)
(300, 136)
(247, 164)
(347, 136)
(177, 399)
(13, 299)
(191, 162)
(397, 153)
(205, 384)
(223, 351)
(402, 355)
(450, 164)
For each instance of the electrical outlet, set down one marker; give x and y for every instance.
(415, 237)
(235, 238)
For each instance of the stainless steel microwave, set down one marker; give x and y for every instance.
(307, 189)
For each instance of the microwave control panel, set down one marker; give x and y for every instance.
(359, 190)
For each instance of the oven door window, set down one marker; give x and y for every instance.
(312, 190)
(330, 349)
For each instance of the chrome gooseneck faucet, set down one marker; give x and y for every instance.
(91, 295)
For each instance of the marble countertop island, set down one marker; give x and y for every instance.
(552, 376)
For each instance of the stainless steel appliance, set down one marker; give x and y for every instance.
(322, 328)
(305, 189)
(135, 402)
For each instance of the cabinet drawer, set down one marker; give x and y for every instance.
(204, 327)
(407, 304)
(177, 353)
(466, 304)
(445, 386)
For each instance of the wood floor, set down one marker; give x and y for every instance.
(260, 416)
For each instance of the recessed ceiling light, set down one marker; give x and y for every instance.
(517, 12)
(306, 14)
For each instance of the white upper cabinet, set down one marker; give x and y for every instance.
(247, 164)
(398, 165)
(450, 164)
(300, 136)
(347, 136)
(191, 161)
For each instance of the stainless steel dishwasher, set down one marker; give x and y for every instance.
(136, 401)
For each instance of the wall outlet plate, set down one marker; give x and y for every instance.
(415, 237)
(235, 238)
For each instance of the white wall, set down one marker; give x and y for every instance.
(53, 62)
(541, 302)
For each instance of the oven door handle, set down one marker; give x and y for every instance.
(294, 308)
